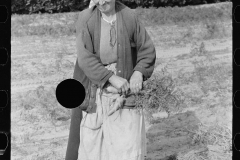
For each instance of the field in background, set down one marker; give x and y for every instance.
(64, 23)
(192, 80)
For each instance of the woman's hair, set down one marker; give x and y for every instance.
(91, 4)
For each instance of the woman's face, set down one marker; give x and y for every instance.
(105, 6)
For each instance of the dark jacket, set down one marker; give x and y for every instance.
(135, 51)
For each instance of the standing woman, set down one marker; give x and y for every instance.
(115, 55)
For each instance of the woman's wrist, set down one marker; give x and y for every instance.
(110, 80)
(138, 73)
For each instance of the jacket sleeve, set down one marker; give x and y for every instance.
(74, 135)
(87, 61)
(146, 53)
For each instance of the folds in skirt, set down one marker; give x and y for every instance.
(119, 136)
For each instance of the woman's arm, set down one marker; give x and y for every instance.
(146, 56)
(146, 53)
(90, 63)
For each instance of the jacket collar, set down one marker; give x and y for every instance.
(94, 23)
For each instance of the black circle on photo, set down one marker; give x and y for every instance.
(3, 56)
(70, 93)
(236, 56)
(236, 99)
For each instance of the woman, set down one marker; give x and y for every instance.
(115, 56)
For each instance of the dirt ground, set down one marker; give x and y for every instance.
(40, 126)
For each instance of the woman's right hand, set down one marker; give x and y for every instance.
(112, 89)
(120, 83)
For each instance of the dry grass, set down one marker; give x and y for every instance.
(185, 15)
(159, 94)
(44, 100)
(217, 140)
(64, 23)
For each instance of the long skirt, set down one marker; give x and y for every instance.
(119, 136)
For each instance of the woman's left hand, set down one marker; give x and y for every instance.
(136, 81)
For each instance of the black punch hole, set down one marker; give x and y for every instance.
(3, 56)
(4, 118)
(70, 93)
(237, 14)
(3, 14)
(3, 99)
(236, 142)
(4, 143)
(237, 56)
(236, 100)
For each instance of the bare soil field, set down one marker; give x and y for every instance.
(199, 62)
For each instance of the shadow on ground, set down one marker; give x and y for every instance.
(170, 136)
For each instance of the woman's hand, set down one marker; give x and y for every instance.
(120, 83)
(136, 82)
(112, 89)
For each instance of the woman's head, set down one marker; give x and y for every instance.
(105, 6)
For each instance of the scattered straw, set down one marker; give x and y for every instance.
(216, 140)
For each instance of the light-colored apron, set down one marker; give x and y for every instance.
(120, 136)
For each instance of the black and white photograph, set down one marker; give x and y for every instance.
(155, 79)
